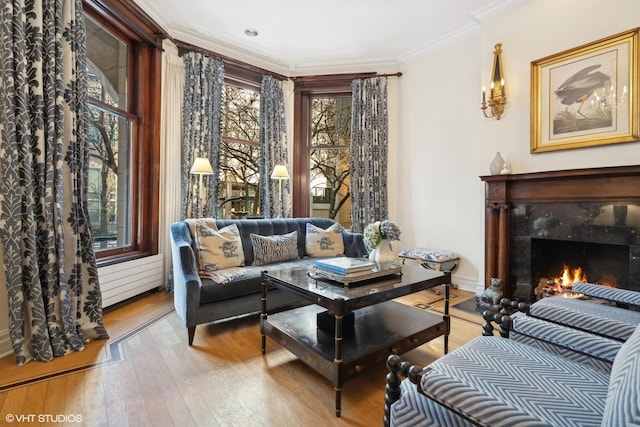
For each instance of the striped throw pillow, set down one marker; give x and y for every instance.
(276, 248)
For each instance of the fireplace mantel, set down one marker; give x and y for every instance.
(595, 185)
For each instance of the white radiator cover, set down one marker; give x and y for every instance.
(128, 279)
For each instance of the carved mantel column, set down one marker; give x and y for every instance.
(497, 231)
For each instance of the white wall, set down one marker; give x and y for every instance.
(445, 143)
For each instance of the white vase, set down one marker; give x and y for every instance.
(496, 164)
(383, 255)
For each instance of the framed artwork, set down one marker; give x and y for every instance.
(586, 96)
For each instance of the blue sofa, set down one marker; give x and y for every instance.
(200, 300)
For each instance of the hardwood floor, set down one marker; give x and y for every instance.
(146, 375)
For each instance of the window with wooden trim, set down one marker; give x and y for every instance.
(123, 77)
(322, 139)
(240, 151)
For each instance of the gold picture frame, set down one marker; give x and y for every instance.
(586, 96)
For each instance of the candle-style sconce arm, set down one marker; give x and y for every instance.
(496, 107)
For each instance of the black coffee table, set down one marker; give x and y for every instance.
(359, 325)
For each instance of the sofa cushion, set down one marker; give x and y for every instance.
(321, 242)
(247, 284)
(498, 382)
(276, 248)
(218, 249)
(622, 407)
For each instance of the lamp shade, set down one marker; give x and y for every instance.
(280, 172)
(201, 166)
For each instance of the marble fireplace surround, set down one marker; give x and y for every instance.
(559, 208)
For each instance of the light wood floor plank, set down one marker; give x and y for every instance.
(223, 379)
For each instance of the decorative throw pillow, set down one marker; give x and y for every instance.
(322, 242)
(276, 248)
(218, 249)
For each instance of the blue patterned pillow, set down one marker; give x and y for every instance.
(276, 248)
(218, 249)
(623, 397)
(320, 242)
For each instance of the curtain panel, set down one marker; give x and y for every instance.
(201, 128)
(369, 145)
(273, 138)
(55, 303)
(171, 149)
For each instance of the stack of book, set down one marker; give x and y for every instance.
(343, 266)
(350, 270)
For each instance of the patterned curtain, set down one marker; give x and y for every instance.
(55, 303)
(201, 121)
(369, 140)
(273, 138)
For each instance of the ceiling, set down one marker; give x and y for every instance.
(298, 37)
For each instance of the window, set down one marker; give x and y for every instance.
(322, 139)
(330, 159)
(123, 134)
(240, 151)
(110, 138)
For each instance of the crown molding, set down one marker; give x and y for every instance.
(496, 8)
(444, 41)
(479, 15)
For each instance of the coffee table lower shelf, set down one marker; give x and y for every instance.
(379, 330)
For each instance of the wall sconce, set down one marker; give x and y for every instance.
(201, 166)
(497, 95)
(280, 172)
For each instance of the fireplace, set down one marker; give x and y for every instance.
(537, 223)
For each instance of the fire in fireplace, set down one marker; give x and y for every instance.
(557, 264)
(561, 285)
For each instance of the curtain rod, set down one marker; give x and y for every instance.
(183, 46)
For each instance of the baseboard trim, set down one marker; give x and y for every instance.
(465, 284)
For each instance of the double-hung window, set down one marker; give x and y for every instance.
(123, 82)
(322, 140)
(240, 149)
(240, 152)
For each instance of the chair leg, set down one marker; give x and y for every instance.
(191, 330)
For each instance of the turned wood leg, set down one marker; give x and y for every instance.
(338, 361)
(392, 389)
(191, 332)
(446, 315)
(263, 315)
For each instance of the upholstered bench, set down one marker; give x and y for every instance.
(432, 259)
(601, 319)
(580, 346)
(493, 381)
